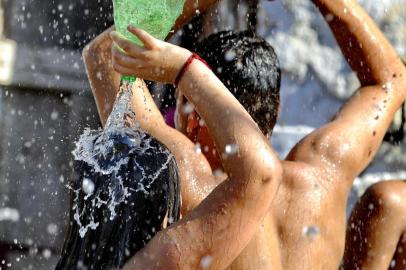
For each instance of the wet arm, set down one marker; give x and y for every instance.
(191, 9)
(197, 180)
(195, 172)
(351, 140)
(219, 228)
(104, 81)
(376, 226)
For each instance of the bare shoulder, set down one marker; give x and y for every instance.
(389, 194)
(323, 149)
(319, 143)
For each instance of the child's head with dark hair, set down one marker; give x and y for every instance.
(249, 68)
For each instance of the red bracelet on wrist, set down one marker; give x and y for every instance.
(189, 61)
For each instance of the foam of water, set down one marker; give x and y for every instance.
(95, 147)
(103, 152)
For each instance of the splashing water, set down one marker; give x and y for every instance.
(98, 148)
(206, 261)
(128, 186)
(107, 151)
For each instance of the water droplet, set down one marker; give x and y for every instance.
(329, 17)
(218, 173)
(88, 186)
(230, 55)
(198, 148)
(9, 214)
(387, 86)
(54, 115)
(52, 229)
(188, 108)
(202, 123)
(231, 149)
(311, 231)
(206, 261)
(46, 253)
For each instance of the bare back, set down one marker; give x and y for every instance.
(309, 209)
(309, 224)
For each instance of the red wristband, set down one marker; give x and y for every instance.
(189, 61)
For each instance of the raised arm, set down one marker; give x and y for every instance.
(350, 141)
(223, 224)
(195, 172)
(191, 9)
(104, 81)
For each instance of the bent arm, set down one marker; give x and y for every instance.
(196, 176)
(104, 81)
(351, 140)
(191, 9)
(219, 228)
(195, 172)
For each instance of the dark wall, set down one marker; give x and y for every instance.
(63, 23)
(42, 114)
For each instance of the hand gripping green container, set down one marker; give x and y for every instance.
(154, 16)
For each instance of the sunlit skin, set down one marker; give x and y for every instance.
(238, 205)
(376, 233)
(319, 171)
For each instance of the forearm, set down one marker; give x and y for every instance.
(375, 227)
(216, 231)
(191, 8)
(235, 207)
(365, 47)
(104, 81)
(195, 173)
(147, 114)
(355, 134)
(229, 124)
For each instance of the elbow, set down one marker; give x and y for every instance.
(88, 50)
(273, 175)
(268, 169)
(271, 165)
(86, 56)
(266, 166)
(91, 50)
(87, 53)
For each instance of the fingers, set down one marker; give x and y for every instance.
(126, 45)
(148, 40)
(122, 70)
(125, 60)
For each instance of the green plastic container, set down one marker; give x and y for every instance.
(154, 16)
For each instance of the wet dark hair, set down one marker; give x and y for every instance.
(146, 196)
(249, 67)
